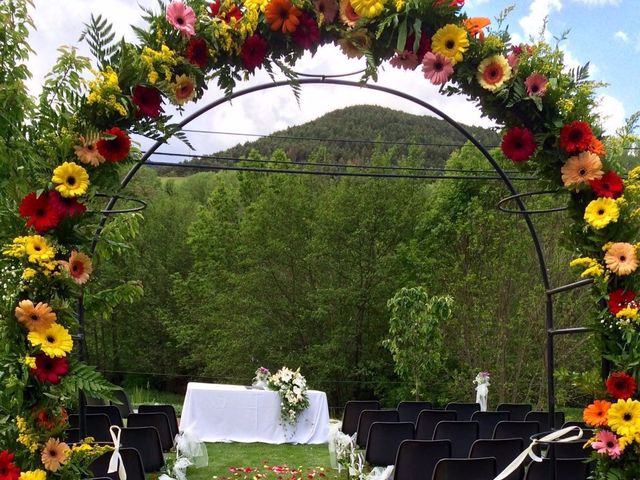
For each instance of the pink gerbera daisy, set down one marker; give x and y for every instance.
(182, 17)
(437, 68)
(607, 442)
(406, 60)
(536, 85)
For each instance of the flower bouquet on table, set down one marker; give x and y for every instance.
(616, 442)
(292, 387)
(262, 378)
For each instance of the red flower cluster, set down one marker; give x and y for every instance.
(253, 52)
(610, 185)
(621, 386)
(116, 148)
(198, 52)
(8, 470)
(619, 299)
(518, 144)
(44, 212)
(424, 45)
(576, 137)
(307, 34)
(148, 101)
(50, 369)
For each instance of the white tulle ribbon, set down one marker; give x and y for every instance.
(482, 394)
(116, 463)
(528, 452)
(381, 473)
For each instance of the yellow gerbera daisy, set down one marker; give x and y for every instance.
(34, 475)
(450, 41)
(493, 72)
(54, 341)
(38, 249)
(601, 212)
(368, 8)
(71, 179)
(624, 417)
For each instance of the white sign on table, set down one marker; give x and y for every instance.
(233, 413)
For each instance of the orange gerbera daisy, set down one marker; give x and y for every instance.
(35, 318)
(475, 25)
(596, 413)
(621, 258)
(79, 267)
(581, 168)
(596, 147)
(54, 454)
(281, 15)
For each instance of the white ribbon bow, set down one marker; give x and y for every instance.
(116, 463)
(528, 452)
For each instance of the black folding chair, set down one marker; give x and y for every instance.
(544, 419)
(461, 434)
(97, 426)
(522, 430)
(488, 422)
(517, 410)
(503, 450)
(566, 469)
(409, 411)
(465, 469)
(123, 403)
(111, 411)
(147, 441)
(159, 421)
(352, 411)
(131, 460)
(417, 459)
(168, 410)
(428, 419)
(367, 417)
(384, 440)
(72, 435)
(464, 410)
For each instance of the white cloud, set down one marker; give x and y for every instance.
(598, 3)
(611, 111)
(539, 10)
(622, 36)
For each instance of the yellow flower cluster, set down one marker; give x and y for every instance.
(105, 90)
(256, 5)
(33, 475)
(592, 267)
(25, 437)
(29, 361)
(36, 250)
(158, 63)
(399, 4)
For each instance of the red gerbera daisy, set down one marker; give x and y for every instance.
(253, 52)
(518, 144)
(66, 207)
(576, 137)
(620, 385)
(50, 369)
(234, 12)
(198, 52)
(8, 470)
(307, 34)
(610, 185)
(39, 211)
(116, 148)
(619, 299)
(215, 7)
(148, 100)
(423, 47)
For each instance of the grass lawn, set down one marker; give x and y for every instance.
(310, 461)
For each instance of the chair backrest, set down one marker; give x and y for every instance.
(503, 450)
(168, 410)
(158, 420)
(566, 469)
(123, 404)
(464, 410)
(132, 464)
(572, 449)
(384, 440)
(351, 415)
(147, 441)
(465, 469)
(72, 435)
(488, 422)
(409, 411)
(544, 419)
(111, 411)
(417, 459)
(517, 410)
(461, 434)
(428, 419)
(511, 429)
(367, 417)
(97, 426)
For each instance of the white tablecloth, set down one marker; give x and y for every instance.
(232, 413)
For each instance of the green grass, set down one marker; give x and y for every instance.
(223, 456)
(139, 395)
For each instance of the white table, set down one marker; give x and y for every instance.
(232, 413)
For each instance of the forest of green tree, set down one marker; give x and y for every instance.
(241, 270)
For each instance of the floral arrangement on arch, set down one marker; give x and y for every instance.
(78, 137)
(292, 388)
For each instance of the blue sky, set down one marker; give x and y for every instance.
(605, 32)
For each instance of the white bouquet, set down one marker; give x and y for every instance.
(292, 387)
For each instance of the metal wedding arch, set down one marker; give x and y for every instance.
(515, 197)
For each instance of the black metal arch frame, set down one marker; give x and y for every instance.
(515, 196)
